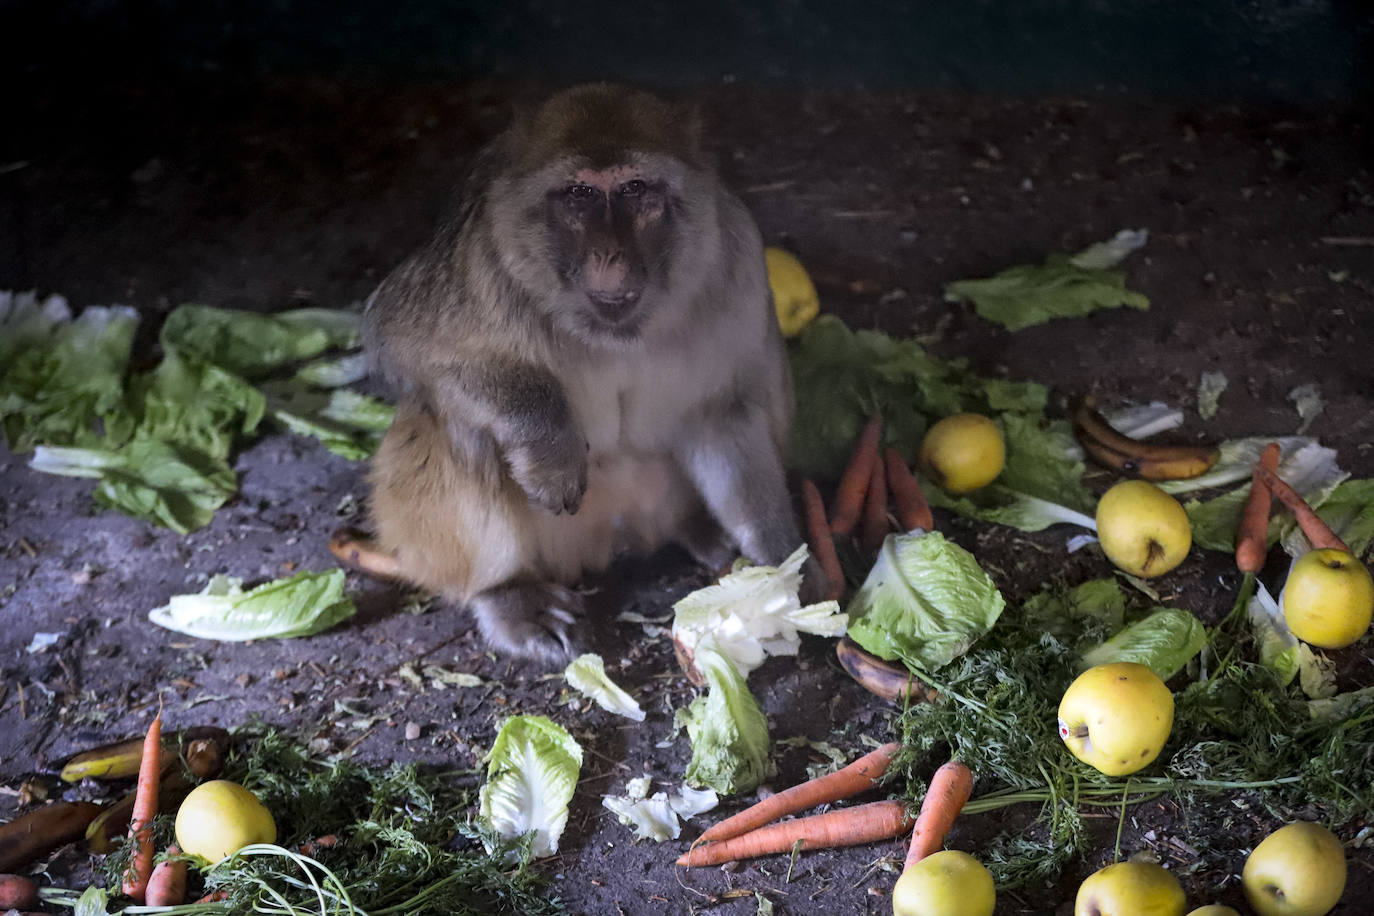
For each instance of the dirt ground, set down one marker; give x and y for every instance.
(1260, 265)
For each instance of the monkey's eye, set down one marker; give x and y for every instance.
(581, 192)
(633, 188)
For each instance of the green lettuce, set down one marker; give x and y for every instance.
(925, 602)
(1349, 510)
(26, 322)
(532, 771)
(67, 386)
(349, 424)
(252, 344)
(1066, 613)
(1164, 642)
(843, 377)
(727, 729)
(197, 405)
(149, 479)
(1026, 295)
(1281, 651)
(303, 605)
(587, 675)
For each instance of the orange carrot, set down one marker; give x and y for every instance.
(875, 526)
(1252, 537)
(167, 886)
(135, 882)
(849, 495)
(214, 896)
(1312, 525)
(822, 547)
(842, 827)
(950, 788)
(859, 776)
(912, 509)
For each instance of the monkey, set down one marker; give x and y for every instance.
(586, 363)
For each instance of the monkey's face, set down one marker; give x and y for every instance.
(610, 233)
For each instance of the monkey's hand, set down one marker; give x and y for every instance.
(552, 470)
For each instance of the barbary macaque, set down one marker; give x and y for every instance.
(586, 362)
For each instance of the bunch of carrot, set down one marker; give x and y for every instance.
(1252, 537)
(164, 885)
(752, 832)
(870, 477)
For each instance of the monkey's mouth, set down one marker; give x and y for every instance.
(614, 309)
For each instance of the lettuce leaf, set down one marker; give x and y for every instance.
(303, 605)
(67, 386)
(1349, 510)
(1069, 613)
(349, 424)
(532, 771)
(26, 322)
(656, 818)
(587, 675)
(1026, 295)
(842, 377)
(754, 612)
(197, 405)
(252, 344)
(159, 482)
(925, 602)
(727, 729)
(1164, 642)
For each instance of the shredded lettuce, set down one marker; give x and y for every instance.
(252, 344)
(1307, 400)
(925, 602)
(754, 612)
(656, 818)
(196, 405)
(1062, 287)
(349, 424)
(727, 729)
(26, 322)
(532, 771)
(587, 675)
(303, 605)
(1067, 613)
(1210, 388)
(1164, 642)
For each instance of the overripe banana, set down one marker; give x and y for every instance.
(1146, 460)
(891, 682)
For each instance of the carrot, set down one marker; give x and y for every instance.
(822, 547)
(843, 827)
(913, 511)
(17, 892)
(849, 495)
(1312, 525)
(859, 776)
(135, 883)
(167, 886)
(950, 788)
(875, 525)
(1252, 537)
(215, 896)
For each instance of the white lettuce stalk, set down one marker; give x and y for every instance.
(532, 770)
(587, 675)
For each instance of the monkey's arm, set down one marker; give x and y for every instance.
(732, 458)
(525, 410)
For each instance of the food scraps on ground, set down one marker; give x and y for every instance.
(1146, 460)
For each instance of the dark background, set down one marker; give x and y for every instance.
(1251, 50)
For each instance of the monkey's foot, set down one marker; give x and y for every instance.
(708, 543)
(534, 621)
(356, 551)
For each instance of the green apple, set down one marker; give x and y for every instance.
(1298, 870)
(1143, 530)
(1214, 909)
(963, 452)
(1116, 717)
(1130, 889)
(946, 883)
(1328, 599)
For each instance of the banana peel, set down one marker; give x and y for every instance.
(891, 682)
(1146, 460)
(794, 295)
(112, 823)
(121, 759)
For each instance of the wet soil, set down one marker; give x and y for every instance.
(1260, 266)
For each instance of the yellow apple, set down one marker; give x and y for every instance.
(1214, 909)
(1130, 889)
(947, 883)
(1116, 717)
(1328, 599)
(219, 818)
(963, 452)
(794, 295)
(1143, 530)
(1298, 870)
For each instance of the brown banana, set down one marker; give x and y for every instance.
(358, 552)
(113, 821)
(1147, 460)
(31, 836)
(120, 759)
(891, 682)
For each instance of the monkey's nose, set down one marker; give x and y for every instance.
(614, 306)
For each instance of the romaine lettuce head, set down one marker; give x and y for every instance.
(728, 730)
(754, 612)
(1164, 642)
(532, 770)
(303, 605)
(925, 602)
